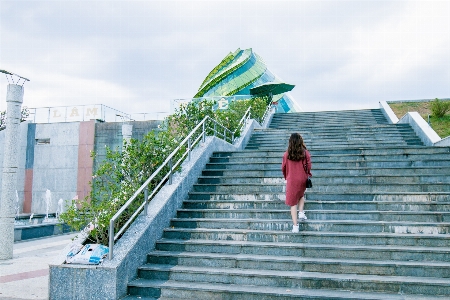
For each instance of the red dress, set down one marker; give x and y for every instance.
(295, 176)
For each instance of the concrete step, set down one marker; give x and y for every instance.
(321, 205)
(310, 237)
(276, 214)
(342, 152)
(274, 170)
(176, 289)
(315, 225)
(356, 149)
(329, 187)
(356, 164)
(295, 279)
(341, 127)
(334, 158)
(279, 123)
(329, 251)
(327, 180)
(280, 145)
(328, 130)
(327, 135)
(326, 121)
(301, 264)
(429, 197)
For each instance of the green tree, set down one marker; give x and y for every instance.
(439, 108)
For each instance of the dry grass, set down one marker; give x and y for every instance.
(440, 125)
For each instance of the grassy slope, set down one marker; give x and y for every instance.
(440, 125)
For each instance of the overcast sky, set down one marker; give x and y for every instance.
(136, 56)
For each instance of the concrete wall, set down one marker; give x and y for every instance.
(55, 164)
(57, 156)
(110, 134)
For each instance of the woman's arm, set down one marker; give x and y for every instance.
(308, 162)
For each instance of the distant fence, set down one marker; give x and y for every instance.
(79, 113)
(104, 113)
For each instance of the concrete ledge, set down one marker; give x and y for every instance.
(428, 136)
(109, 280)
(38, 231)
(269, 117)
(242, 141)
(445, 142)
(388, 112)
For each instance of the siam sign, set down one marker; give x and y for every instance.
(75, 113)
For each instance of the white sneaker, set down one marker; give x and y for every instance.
(295, 228)
(302, 216)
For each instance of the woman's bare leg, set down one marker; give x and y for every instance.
(301, 204)
(294, 214)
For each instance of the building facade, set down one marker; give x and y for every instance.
(237, 73)
(58, 157)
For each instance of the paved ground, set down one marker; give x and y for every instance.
(26, 275)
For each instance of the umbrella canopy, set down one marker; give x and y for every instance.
(271, 88)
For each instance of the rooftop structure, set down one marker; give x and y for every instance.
(237, 74)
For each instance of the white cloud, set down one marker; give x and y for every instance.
(139, 55)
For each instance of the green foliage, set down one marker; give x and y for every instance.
(439, 108)
(121, 174)
(440, 125)
(24, 115)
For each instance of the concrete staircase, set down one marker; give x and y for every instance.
(378, 219)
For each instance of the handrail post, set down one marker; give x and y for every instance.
(146, 200)
(189, 149)
(170, 171)
(232, 137)
(215, 130)
(204, 132)
(111, 239)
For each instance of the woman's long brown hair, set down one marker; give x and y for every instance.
(296, 149)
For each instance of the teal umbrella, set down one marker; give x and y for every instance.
(271, 88)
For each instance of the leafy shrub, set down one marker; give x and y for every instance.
(439, 108)
(122, 173)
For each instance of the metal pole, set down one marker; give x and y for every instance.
(189, 149)
(204, 132)
(146, 200)
(170, 171)
(14, 99)
(111, 239)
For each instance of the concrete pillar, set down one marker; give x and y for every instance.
(14, 99)
(127, 131)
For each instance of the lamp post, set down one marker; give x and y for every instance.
(14, 99)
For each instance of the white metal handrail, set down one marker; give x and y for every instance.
(191, 140)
